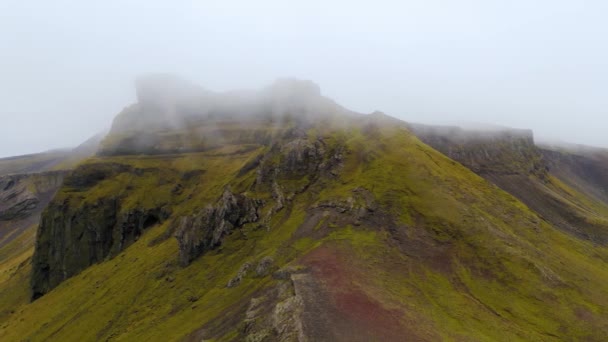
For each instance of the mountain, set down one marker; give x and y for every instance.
(278, 215)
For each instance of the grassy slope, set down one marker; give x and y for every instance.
(17, 242)
(490, 268)
(17, 246)
(15, 271)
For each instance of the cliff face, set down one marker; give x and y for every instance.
(73, 234)
(585, 169)
(504, 152)
(22, 199)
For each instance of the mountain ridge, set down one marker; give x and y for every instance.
(352, 228)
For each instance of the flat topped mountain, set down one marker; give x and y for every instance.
(277, 215)
(173, 115)
(500, 150)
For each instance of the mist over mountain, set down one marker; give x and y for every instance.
(303, 171)
(529, 65)
(276, 214)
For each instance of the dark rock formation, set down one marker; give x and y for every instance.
(133, 223)
(72, 235)
(23, 207)
(71, 239)
(287, 163)
(301, 157)
(89, 175)
(22, 199)
(297, 158)
(503, 151)
(585, 169)
(264, 266)
(205, 230)
(236, 281)
(20, 195)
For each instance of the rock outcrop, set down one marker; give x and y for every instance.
(20, 195)
(70, 240)
(288, 169)
(501, 151)
(585, 169)
(72, 236)
(205, 230)
(22, 199)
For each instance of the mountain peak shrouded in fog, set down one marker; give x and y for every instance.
(70, 65)
(282, 171)
(292, 89)
(161, 92)
(281, 207)
(167, 101)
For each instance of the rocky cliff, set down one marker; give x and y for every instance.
(75, 233)
(499, 151)
(583, 168)
(22, 199)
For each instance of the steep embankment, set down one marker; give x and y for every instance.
(341, 228)
(567, 189)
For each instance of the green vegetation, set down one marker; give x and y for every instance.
(446, 254)
(15, 271)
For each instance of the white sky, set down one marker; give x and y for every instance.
(67, 67)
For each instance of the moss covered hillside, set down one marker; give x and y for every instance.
(325, 226)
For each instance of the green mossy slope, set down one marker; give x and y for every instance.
(442, 253)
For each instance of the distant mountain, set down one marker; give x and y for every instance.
(61, 159)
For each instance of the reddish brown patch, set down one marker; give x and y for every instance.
(584, 314)
(355, 312)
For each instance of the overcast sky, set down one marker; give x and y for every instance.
(67, 67)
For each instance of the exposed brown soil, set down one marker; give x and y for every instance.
(348, 307)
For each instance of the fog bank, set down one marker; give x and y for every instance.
(68, 67)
